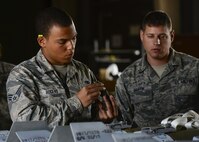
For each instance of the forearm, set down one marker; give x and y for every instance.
(32, 101)
(55, 114)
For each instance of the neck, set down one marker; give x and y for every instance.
(158, 62)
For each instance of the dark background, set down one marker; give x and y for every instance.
(95, 20)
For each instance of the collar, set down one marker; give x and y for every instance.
(174, 60)
(47, 67)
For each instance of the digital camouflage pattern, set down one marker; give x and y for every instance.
(146, 99)
(35, 92)
(5, 121)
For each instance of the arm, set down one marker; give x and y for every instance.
(27, 101)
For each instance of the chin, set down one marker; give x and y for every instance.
(67, 61)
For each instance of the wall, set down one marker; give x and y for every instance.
(17, 34)
(96, 19)
(172, 7)
(185, 18)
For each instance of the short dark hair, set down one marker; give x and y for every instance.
(156, 18)
(49, 17)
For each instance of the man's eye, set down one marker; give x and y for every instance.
(61, 42)
(150, 36)
(162, 36)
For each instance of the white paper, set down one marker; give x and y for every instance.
(191, 114)
(91, 132)
(3, 135)
(189, 120)
(162, 138)
(196, 138)
(33, 136)
(132, 137)
(169, 119)
(192, 124)
(179, 122)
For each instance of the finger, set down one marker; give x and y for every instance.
(95, 85)
(88, 98)
(94, 91)
(114, 106)
(109, 107)
(94, 95)
(102, 113)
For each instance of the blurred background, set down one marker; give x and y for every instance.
(108, 30)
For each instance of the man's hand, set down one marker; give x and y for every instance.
(110, 111)
(88, 94)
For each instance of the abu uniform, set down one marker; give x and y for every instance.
(36, 92)
(146, 99)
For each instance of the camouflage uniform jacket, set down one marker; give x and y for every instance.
(36, 92)
(146, 99)
(5, 121)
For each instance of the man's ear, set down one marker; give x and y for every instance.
(141, 35)
(41, 40)
(172, 35)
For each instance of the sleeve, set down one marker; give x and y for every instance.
(123, 100)
(25, 102)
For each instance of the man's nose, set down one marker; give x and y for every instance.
(157, 41)
(70, 44)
